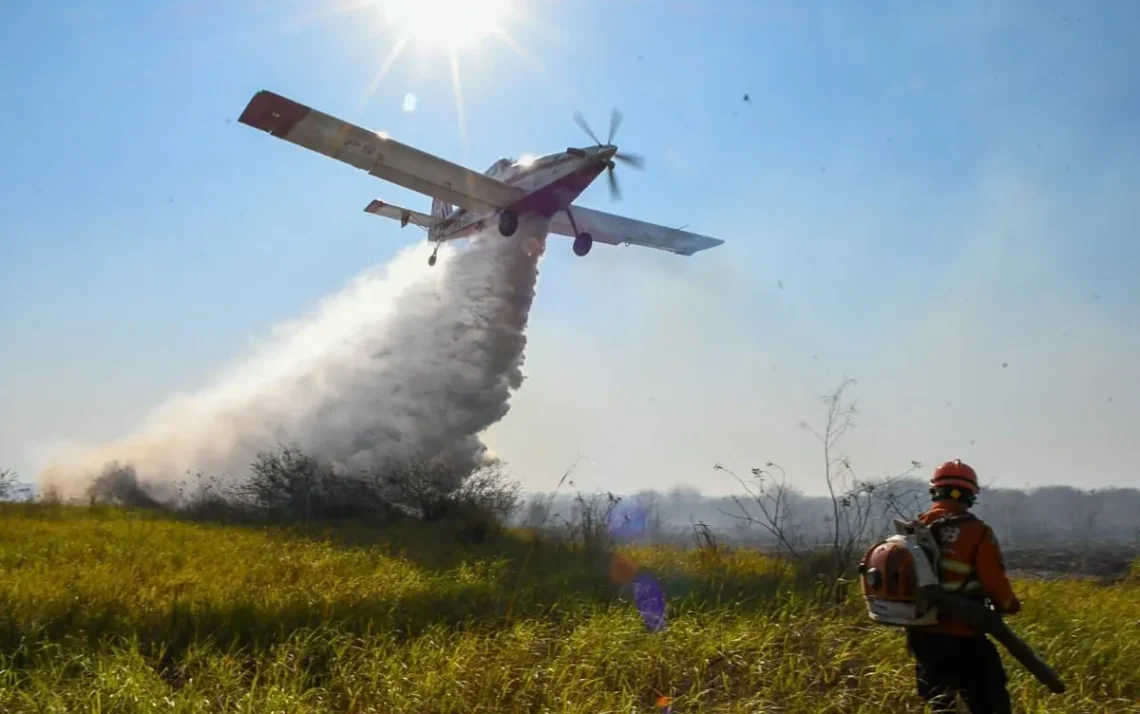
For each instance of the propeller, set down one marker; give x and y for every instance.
(633, 160)
(581, 122)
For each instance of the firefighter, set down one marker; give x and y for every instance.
(952, 658)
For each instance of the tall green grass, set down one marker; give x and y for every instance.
(105, 610)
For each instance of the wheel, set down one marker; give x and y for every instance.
(582, 244)
(508, 223)
(431, 259)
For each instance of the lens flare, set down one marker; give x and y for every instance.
(650, 599)
(622, 569)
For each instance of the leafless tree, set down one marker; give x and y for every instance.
(889, 497)
(537, 512)
(773, 497)
(1005, 505)
(840, 418)
(863, 502)
(853, 503)
(649, 503)
(592, 519)
(1086, 510)
(489, 490)
(8, 482)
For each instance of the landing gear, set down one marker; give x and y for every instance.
(431, 259)
(582, 241)
(508, 223)
(582, 244)
(434, 253)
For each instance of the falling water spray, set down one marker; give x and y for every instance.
(407, 361)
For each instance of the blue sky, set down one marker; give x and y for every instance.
(937, 189)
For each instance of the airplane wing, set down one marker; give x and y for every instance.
(403, 215)
(618, 230)
(377, 154)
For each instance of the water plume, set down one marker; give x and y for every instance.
(406, 362)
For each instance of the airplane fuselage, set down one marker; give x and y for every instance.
(551, 184)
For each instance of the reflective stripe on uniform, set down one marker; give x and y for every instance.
(958, 585)
(956, 575)
(955, 566)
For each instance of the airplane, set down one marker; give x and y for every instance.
(465, 202)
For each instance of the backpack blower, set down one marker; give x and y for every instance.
(905, 592)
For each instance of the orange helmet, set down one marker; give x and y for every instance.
(955, 474)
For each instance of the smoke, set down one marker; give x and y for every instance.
(407, 361)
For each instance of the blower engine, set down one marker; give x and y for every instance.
(898, 577)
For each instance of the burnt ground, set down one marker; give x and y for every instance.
(1105, 562)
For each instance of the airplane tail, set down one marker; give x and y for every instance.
(403, 215)
(440, 210)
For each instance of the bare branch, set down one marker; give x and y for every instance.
(770, 499)
(8, 481)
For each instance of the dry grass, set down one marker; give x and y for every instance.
(103, 610)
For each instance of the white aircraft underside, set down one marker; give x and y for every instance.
(465, 202)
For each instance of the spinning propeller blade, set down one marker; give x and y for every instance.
(581, 122)
(615, 192)
(615, 122)
(633, 160)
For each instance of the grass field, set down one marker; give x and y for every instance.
(104, 610)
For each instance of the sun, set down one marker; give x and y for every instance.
(444, 26)
(446, 23)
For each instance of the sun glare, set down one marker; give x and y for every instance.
(441, 26)
(446, 23)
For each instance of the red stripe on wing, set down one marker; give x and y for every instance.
(273, 113)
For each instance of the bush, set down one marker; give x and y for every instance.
(286, 485)
(119, 485)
